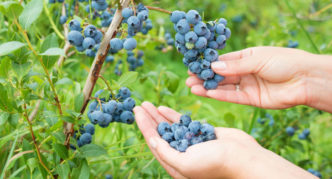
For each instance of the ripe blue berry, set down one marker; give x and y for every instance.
(127, 117)
(222, 21)
(193, 17)
(107, 119)
(110, 58)
(290, 131)
(207, 74)
(196, 140)
(218, 78)
(195, 67)
(183, 145)
(220, 29)
(85, 139)
(75, 25)
(127, 12)
(96, 116)
(180, 132)
(185, 120)
(177, 15)
(129, 104)
(63, 19)
(130, 44)
(143, 15)
(89, 128)
(191, 37)
(210, 55)
(75, 38)
(116, 44)
(168, 136)
(133, 22)
(200, 28)
(90, 31)
(194, 127)
(207, 129)
(210, 84)
(124, 93)
(88, 43)
(182, 26)
(163, 127)
(201, 43)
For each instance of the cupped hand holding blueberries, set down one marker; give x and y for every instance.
(233, 154)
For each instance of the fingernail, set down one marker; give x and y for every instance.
(219, 65)
(153, 142)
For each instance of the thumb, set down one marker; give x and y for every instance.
(246, 65)
(166, 152)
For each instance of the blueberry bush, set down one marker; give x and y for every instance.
(71, 72)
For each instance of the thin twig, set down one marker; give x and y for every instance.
(25, 35)
(67, 44)
(159, 9)
(35, 110)
(108, 85)
(34, 141)
(98, 63)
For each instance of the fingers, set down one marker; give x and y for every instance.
(238, 97)
(194, 80)
(153, 112)
(169, 114)
(199, 90)
(148, 128)
(237, 55)
(167, 154)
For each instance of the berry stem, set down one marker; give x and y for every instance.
(108, 85)
(34, 140)
(98, 63)
(159, 9)
(56, 30)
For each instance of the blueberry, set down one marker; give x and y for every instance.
(110, 58)
(90, 53)
(119, 108)
(218, 78)
(90, 31)
(193, 17)
(75, 38)
(207, 129)
(130, 44)
(124, 93)
(110, 106)
(163, 127)
(183, 145)
(168, 136)
(210, 55)
(85, 138)
(302, 136)
(210, 84)
(191, 37)
(108, 177)
(175, 126)
(195, 67)
(201, 43)
(209, 137)
(133, 22)
(143, 15)
(98, 37)
(174, 144)
(177, 15)
(306, 132)
(127, 117)
(105, 15)
(179, 38)
(140, 54)
(207, 74)
(129, 104)
(205, 64)
(75, 25)
(93, 105)
(195, 127)
(191, 54)
(290, 131)
(89, 128)
(200, 28)
(127, 12)
(185, 120)
(189, 135)
(221, 39)
(220, 29)
(107, 119)
(88, 43)
(182, 26)
(96, 116)
(116, 44)
(228, 33)
(101, 6)
(222, 21)
(213, 44)
(180, 133)
(196, 140)
(63, 19)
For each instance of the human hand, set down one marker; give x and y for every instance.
(234, 154)
(268, 77)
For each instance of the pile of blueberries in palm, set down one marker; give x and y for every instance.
(118, 108)
(186, 133)
(199, 42)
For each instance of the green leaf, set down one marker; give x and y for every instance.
(92, 150)
(9, 156)
(3, 117)
(172, 80)
(64, 81)
(5, 65)
(13, 119)
(11, 9)
(230, 119)
(53, 52)
(51, 41)
(85, 170)
(4, 100)
(78, 102)
(61, 150)
(30, 13)
(63, 170)
(21, 69)
(127, 78)
(60, 136)
(8, 47)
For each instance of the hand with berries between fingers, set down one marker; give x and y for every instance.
(270, 77)
(234, 154)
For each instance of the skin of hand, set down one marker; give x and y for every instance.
(234, 154)
(271, 77)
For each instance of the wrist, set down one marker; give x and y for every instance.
(319, 82)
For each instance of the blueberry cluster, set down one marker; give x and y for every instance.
(135, 61)
(199, 42)
(267, 117)
(315, 172)
(85, 135)
(292, 44)
(186, 133)
(117, 70)
(117, 108)
(138, 22)
(87, 39)
(169, 39)
(304, 134)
